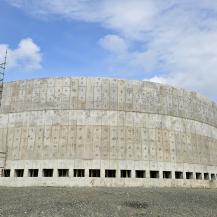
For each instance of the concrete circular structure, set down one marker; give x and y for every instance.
(79, 131)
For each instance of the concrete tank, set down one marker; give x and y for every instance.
(79, 131)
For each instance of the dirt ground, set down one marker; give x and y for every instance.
(100, 202)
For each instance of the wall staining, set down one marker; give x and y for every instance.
(118, 123)
(107, 94)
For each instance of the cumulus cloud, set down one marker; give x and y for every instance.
(166, 41)
(157, 79)
(114, 43)
(26, 57)
(129, 17)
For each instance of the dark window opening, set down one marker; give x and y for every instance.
(189, 175)
(154, 174)
(198, 175)
(94, 173)
(178, 175)
(125, 173)
(167, 174)
(63, 172)
(19, 172)
(206, 176)
(140, 173)
(47, 172)
(79, 172)
(6, 173)
(213, 177)
(33, 172)
(110, 173)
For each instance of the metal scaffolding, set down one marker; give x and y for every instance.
(2, 74)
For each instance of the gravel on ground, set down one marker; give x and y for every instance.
(107, 202)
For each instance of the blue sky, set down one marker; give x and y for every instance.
(169, 41)
(67, 47)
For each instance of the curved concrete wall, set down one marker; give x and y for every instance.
(97, 123)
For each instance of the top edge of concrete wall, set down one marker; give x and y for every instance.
(99, 93)
(198, 95)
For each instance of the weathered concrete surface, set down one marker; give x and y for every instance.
(105, 182)
(96, 123)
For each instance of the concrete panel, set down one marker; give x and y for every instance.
(100, 123)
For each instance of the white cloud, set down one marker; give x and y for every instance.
(114, 43)
(26, 57)
(129, 17)
(171, 41)
(157, 79)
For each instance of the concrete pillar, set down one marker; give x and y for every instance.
(133, 174)
(147, 173)
(13, 173)
(102, 173)
(184, 175)
(55, 173)
(172, 174)
(40, 173)
(86, 173)
(194, 175)
(160, 174)
(118, 173)
(26, 172)
(71, 173)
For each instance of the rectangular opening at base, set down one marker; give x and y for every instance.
(63, 173)
(48, 172)
(33, 172)
(189, 175)
(79, 172)
(19, 172)
(199, 176)
(6, 172)
(140, 173)
(125, 173)
(94, 173)
(178, 175)
(110, 173)
(206, 176)
(167, 174)
(154, 174)
(213, 177)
